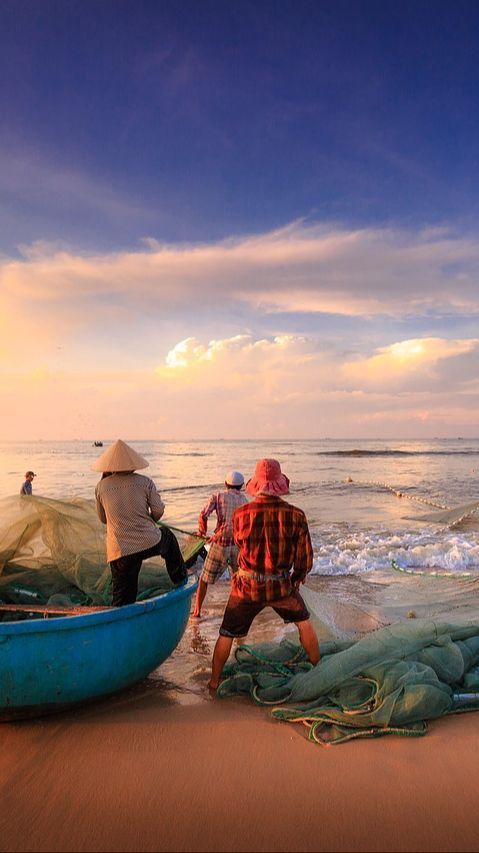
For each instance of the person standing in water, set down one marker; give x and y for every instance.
(26, 488)
(223, 553)
(130, 505)
(275, 555)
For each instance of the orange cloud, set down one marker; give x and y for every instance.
(403, 358)
(238, 386)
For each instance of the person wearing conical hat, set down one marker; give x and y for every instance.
(223, 553)
(275, 555)
(130, 504)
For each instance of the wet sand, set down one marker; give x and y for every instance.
(165, 767)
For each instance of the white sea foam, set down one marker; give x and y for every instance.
(368, 551)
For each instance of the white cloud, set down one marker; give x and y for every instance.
(415, 363)
(284, 386)
(298, 268)
(189, 351)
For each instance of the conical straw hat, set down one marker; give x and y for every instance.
(119, 457)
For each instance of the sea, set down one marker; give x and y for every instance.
(364, 499)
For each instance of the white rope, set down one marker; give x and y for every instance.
(398, 492)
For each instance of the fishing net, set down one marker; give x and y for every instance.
(53, 552)
(397, 649)
(450, 517)
(391, 681)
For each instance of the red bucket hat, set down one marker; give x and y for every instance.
(267, 478)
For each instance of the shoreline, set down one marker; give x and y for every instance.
(164, 766)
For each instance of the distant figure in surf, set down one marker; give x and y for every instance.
(26, 488)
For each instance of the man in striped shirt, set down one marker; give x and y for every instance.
(223, 553)
(275, 555)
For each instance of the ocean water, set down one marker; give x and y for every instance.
(363, 499)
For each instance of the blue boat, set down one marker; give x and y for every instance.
(49, 664)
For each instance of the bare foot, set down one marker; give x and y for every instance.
(212, 687)
(195, 616)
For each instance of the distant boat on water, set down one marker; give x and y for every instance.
(97, 444)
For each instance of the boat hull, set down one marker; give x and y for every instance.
(49, 664)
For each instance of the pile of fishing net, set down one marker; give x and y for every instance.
(388, 682)
(53, 552)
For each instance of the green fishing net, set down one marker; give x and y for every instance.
(388, 682)
(398, 648)
(53, 552)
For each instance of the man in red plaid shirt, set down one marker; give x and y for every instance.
(275, 555)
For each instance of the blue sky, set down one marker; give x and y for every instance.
(198, 120)
(217, 170)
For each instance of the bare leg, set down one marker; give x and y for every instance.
(200, 597)
(309, 640)
(220, 656)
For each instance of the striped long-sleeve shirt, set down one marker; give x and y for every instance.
(129, 505)
(273, 539)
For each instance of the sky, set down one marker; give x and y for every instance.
(239, 219)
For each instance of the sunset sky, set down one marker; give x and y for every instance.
(239, 219)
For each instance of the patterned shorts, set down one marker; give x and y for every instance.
(220, 557)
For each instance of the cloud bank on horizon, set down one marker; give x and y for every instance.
(95, 326)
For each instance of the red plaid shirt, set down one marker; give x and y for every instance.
(273, 538)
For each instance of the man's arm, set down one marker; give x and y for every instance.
(204, 515)
(303, 558)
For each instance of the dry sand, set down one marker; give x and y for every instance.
(165, 767)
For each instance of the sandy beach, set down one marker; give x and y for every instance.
(164, 766)
(146, 774)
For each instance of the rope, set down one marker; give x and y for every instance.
(416, 499)
(179, 530)
(398, 492)
(433, 574)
